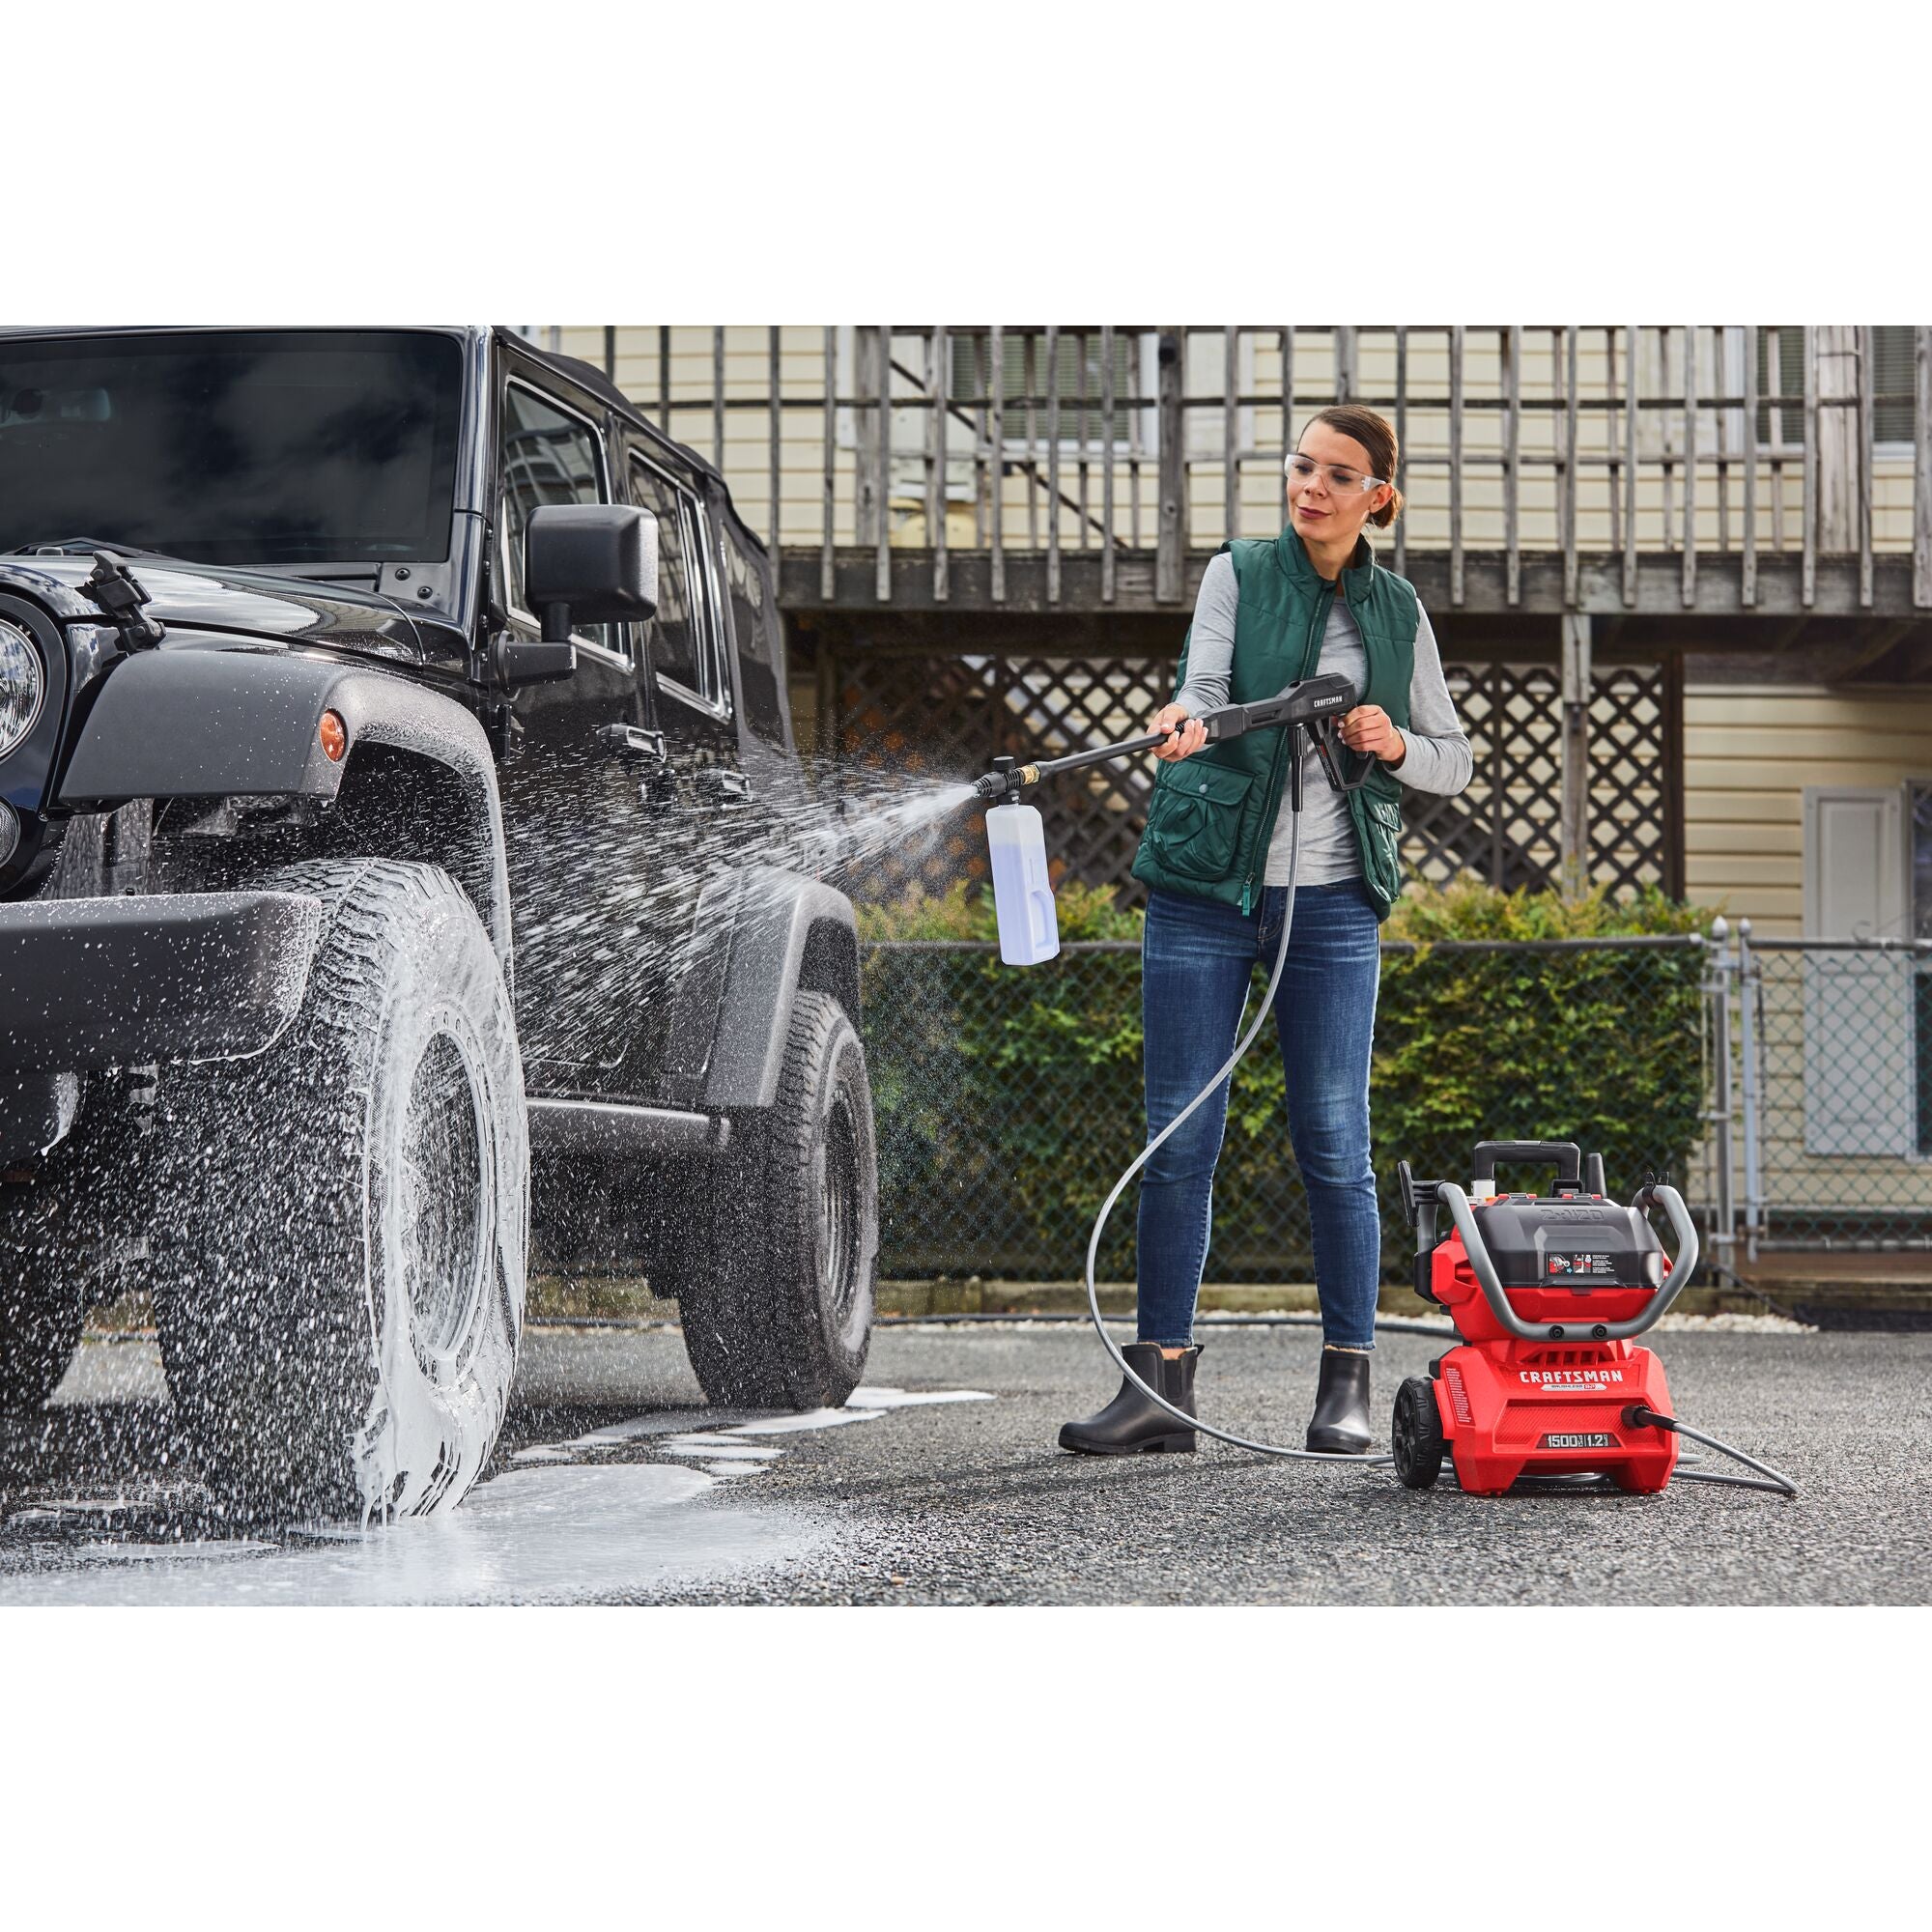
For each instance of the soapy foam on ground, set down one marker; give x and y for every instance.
(545, 1535)
(555, 1527)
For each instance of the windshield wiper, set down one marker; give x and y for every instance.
(81, 547)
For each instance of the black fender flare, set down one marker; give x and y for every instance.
(785, 933)
(199, 723)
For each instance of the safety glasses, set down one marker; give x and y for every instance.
(1299, 469)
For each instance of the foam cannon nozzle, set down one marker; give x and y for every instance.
(1005, 782)
(1022, 885)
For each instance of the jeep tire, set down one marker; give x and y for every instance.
(344, 1222)
(779, 1313)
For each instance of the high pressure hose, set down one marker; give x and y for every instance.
(1141, 1161)
(1640, 1417)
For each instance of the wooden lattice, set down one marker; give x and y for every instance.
(1505, 827)
(952, 716)
(1635, 749)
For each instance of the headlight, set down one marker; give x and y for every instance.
(21, 686)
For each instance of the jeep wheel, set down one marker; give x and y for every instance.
(778, 1314)
(345, 1225)
(42, 1297)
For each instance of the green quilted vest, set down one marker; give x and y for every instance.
(1212, 815)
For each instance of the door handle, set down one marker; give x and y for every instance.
(632, 738)
(726, 785)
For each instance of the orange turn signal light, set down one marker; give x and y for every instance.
(334, 736)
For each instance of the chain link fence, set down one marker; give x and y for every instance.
(1008, 1100)
(1834, 1134)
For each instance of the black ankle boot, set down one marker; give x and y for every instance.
(1341, 1421)
(1131, 1424)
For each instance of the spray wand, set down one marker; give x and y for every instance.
(1312, 704)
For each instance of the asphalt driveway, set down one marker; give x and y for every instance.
(941, 1485)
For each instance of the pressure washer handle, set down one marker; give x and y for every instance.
(1567, 1155)
(1483, 1265)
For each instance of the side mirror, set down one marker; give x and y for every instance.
(583, 563)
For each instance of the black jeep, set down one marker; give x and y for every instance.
(395, 769)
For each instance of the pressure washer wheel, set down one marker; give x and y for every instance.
(1417, 1434)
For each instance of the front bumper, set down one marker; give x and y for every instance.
(154, 979)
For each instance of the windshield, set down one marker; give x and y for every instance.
(264, 448)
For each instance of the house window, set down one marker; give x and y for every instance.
(1892, 384)
(1076, 352)
(1780, 372)
(1720, 371)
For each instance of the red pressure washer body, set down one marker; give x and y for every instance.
(1511, 1407)
(1571, 1268)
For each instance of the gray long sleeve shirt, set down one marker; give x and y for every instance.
(1437, 759)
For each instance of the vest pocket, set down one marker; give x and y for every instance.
(1382, 845)
(1194, 820)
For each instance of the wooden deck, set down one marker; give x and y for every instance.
(1653, 472)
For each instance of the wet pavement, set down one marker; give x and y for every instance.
(939, 1483)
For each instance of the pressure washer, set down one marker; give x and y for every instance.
(1509, 1403)
(1547, 1295)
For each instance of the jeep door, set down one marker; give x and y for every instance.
(570, 777)
(702, 806)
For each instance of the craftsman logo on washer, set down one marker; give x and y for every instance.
(1581, 1265)
(1596, 1439)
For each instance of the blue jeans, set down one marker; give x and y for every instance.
(1197, 959)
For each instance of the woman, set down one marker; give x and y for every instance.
(1215, 856)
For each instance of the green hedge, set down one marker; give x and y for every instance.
(1010, 1100)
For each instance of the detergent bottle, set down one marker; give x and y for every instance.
(1022, 888)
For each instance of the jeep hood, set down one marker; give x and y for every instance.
(227, 603)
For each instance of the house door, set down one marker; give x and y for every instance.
(1860, 1051)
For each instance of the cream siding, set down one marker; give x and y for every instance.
(1749, 753)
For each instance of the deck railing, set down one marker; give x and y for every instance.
(1572, 449)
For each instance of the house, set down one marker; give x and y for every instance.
(1682, 576)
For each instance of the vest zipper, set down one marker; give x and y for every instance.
(1311, 659)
